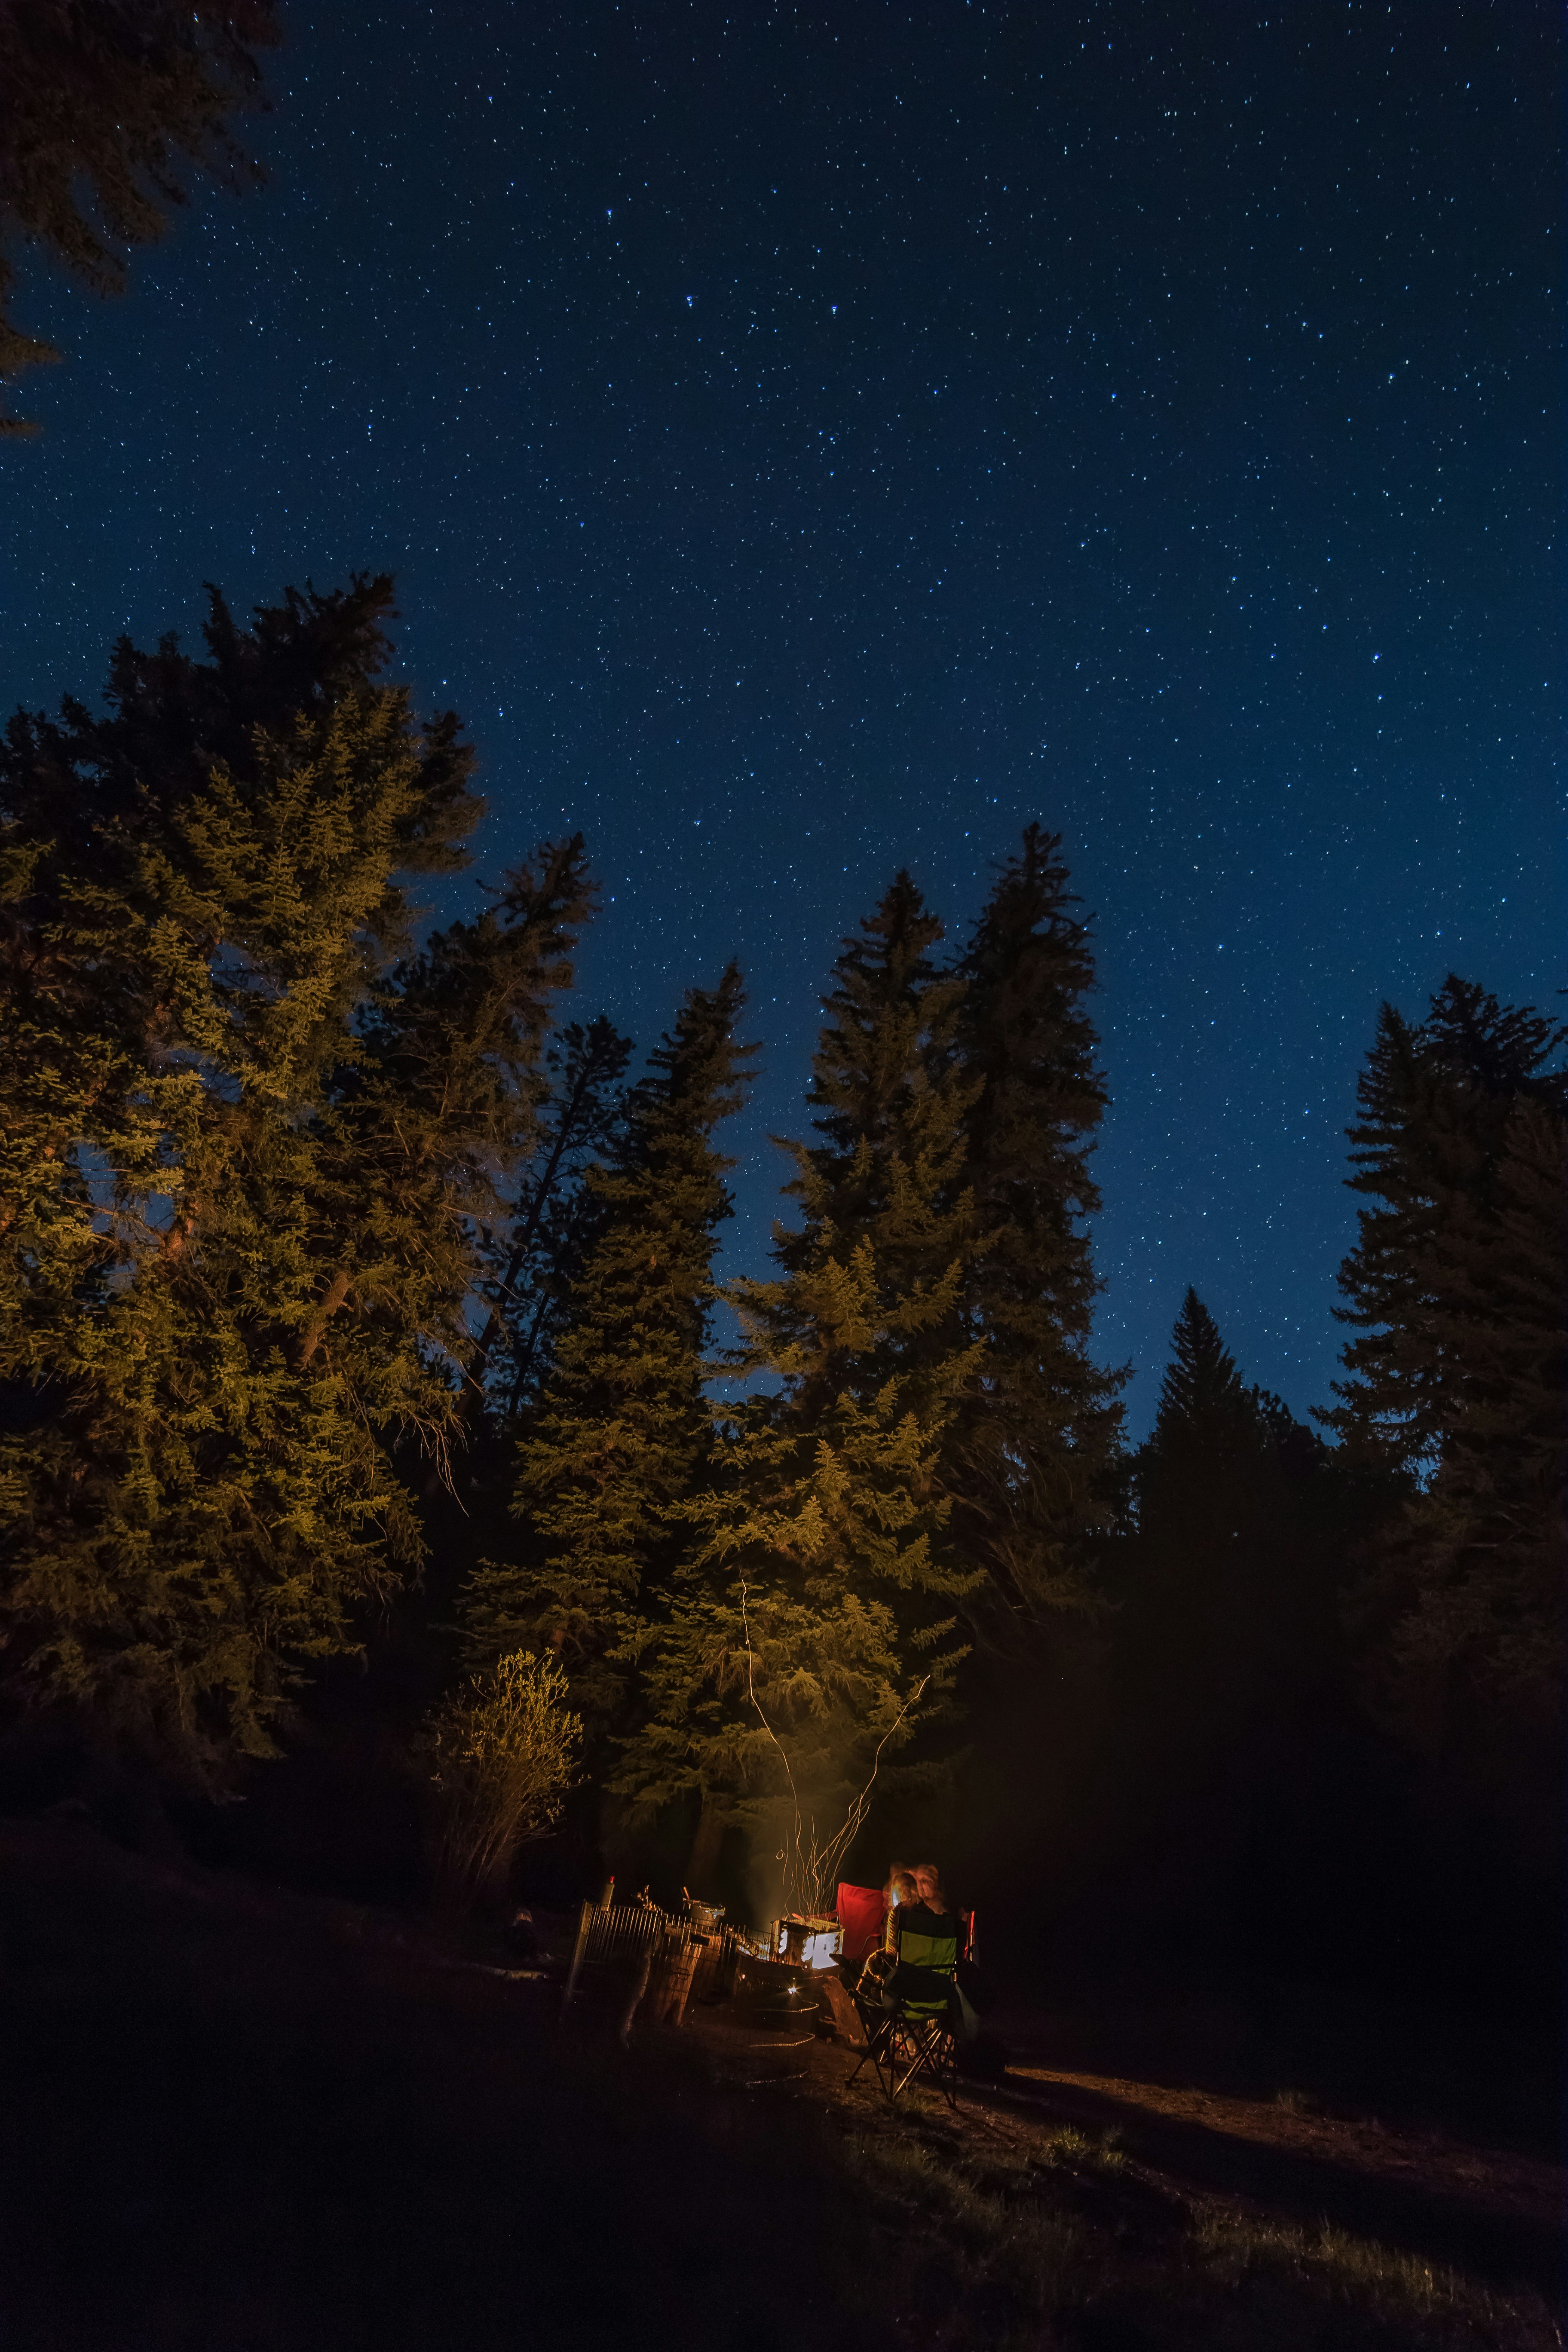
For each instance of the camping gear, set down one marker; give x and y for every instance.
(810, 1938)
(775, 1997)
(859, 1912)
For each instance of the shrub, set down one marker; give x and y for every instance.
(501, 1751)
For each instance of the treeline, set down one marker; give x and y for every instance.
(358, 1298)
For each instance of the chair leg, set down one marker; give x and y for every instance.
(880, 2032)
(929, 2050)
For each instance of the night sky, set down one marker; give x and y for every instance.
(816, 439)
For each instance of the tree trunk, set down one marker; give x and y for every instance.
(702, 1868)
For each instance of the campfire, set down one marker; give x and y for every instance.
(809, 1939)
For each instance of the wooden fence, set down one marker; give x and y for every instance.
(659, 1940)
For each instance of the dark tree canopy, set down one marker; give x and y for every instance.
(101, 104)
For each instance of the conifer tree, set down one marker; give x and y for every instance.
(1436, 1101)
(247, 1137)
(1031, 1448)
(814, 1614)
(1480, 1623)
(1456, 1376)
(884, 1182)
(1228, 1570)
(863, 1329)
(622, 1433)
(1210, 1434)
(825, 1499)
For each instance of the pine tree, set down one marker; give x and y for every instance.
(622, 1433)
(1467, 1590)
(799, 1635)
(1223, 1648)
(1033, 1446)
(1195, 1480)
(1434, 1104)
(886, 1181)
(1455, 1377)
(103, 99)
(825, 1499)
(247, 1139)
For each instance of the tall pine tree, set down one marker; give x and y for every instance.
(814, 1613)
(1030, 1457)
(622, 1433)
(247, 1139)
(1456, 1375)
(1436, 1101)
(882, 1187)
(825, 1501)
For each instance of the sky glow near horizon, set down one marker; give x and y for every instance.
(814, 441)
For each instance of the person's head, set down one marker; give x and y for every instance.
(900, 1887)
(928, 1885)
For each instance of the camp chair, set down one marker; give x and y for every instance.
(908, 2034)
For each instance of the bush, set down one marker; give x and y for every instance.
(500, 1752)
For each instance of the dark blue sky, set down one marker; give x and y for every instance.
(815, 439)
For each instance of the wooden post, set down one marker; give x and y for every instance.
(583, 1926)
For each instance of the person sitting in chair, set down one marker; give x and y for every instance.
(898, 1894)
(924, 1941)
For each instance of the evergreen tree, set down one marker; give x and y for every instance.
(104, 99)
(1197, 1473)
(1464, 1594)
(1454, 1290)
(1435, 1102)
(247, 1137)
(825, 1499)
(862, 1333)
(1034, 1443)
(622, 1433)
(800, 1634)
(1223, 1647)
(883, 1186)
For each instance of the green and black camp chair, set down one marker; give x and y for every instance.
(910, 2030)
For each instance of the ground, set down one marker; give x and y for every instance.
(242, 2120)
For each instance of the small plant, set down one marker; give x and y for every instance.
(1297, 2102)
(1068, 2149)
(500, 1752)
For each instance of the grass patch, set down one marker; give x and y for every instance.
(1059, 2240)
(1424, 2303)
(1003, 2253)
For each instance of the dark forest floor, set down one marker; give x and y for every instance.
(241, 2120)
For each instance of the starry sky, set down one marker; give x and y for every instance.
(813, 440)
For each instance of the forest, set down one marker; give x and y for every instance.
(394, 1500)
